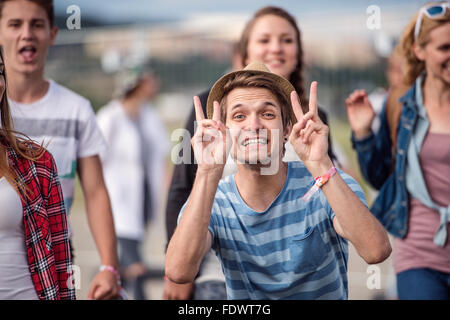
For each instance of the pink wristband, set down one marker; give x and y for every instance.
(319, 182)
(111, 269)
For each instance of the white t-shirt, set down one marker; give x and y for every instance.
(66, 122)
(15, 275)
(125, 166)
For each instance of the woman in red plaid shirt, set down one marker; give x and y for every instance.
(35, 260)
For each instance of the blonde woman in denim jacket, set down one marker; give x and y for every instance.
(409, 158)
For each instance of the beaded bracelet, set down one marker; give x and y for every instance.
(319, 182)
(113, 270)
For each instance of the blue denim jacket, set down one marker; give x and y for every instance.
(375, 160)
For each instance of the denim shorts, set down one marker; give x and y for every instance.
(423, 284)
(128, 251)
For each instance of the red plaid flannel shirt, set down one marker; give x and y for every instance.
(45, 222)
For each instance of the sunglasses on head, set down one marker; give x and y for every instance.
(432, 12)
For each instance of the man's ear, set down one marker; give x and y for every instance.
(53, 34)
(419, 52)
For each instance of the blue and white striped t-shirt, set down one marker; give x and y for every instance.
(289, 251)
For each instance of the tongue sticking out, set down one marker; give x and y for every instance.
(28, 55)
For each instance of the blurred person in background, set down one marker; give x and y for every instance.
(134, 167)
(394, 77)
(32, 218)
(272, 37)
(47, 111)
(408, 160)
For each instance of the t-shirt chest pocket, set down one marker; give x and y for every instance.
(308, 251)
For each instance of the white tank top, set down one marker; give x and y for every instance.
(15, 276)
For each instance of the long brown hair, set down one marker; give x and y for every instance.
(11, 139)
(412, 65)
(296, 77)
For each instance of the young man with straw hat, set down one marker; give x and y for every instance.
(279, 232)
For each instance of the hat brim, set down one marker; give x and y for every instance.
(217, 92)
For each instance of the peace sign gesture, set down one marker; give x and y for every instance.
(309, 135)
(210, 141)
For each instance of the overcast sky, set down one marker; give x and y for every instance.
(141, 10)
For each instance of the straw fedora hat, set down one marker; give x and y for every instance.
(254, 68)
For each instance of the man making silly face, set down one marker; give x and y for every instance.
(278, 235)
(255, 121)
(50, 113)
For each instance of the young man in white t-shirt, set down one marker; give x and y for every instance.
(48, 112)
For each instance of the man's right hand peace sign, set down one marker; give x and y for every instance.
(210, 142)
